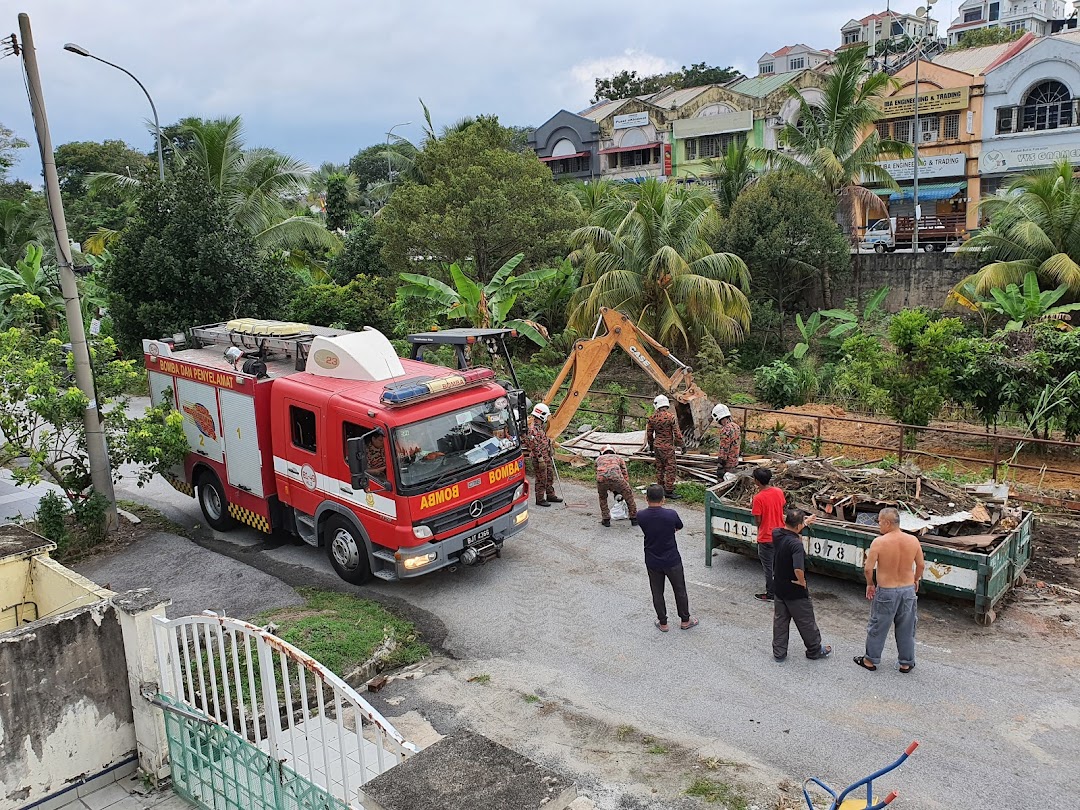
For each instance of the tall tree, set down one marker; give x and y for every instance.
(784, 228)
(477, 201)
(10, 143)
(627, 83)
(183, 261)
(834, 142)
(89, 209)
(21, 224)
(360, 254)
(732, 174)
(655, 264)
(1034, 227)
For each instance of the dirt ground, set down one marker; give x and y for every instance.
(933, 448)
(1056, 553)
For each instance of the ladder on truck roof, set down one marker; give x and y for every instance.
(261, 338)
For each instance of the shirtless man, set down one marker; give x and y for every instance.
(893, 601)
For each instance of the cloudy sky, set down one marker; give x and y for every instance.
(320, 79)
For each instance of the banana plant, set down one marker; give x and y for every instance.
(1023, 306)
(967, 296)
(838, 321)
(484, 307)
(29, 278)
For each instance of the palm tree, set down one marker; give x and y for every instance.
(256, 185)
(484, 307)
(402, 154)
(596, 195)
(1034, 227)
(833, 141)
(731, 175)
(21, 226)
(655, 264)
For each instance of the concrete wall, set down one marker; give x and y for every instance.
(41, 587)
(914, 280)
(65, 703)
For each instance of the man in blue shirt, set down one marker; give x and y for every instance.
(662, 558)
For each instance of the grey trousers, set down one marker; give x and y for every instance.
(802, 612)
(896, 608)
(765, 554)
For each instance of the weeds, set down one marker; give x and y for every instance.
(531, 699)
(659, 750)
(715, 792)
(481, 680)
(623, 733)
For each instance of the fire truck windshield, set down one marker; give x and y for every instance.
(437, 448)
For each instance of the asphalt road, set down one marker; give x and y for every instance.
(567, 609)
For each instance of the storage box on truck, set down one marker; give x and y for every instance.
(398, 468)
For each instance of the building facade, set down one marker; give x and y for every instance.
(632, 138)
(886, 26)
(569, 144)
(791, 58)
(1031, 117)
(1037, 16)
(948, 134)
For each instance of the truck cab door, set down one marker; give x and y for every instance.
(304, 464)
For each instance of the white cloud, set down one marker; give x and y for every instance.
(581, 77)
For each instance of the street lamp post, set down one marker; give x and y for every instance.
(923, 13)
(389, 166)
(80, 51)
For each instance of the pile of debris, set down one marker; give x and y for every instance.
(970, 518)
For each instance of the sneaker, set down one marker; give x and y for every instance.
(605, 523)
(633, 521)
(542, 503)
(554, 499)
(764, 597)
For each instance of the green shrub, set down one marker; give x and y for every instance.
(536, 379)
(90, 515)
(52, 518)
(712, 373)
(364, 301)
(782, 384)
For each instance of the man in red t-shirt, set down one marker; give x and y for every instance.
(768, 511)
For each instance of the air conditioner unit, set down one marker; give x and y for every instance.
(929, 137)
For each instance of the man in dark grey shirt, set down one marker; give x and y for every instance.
(789, 582)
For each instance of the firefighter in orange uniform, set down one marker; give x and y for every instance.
(662, 434)
(536, 439)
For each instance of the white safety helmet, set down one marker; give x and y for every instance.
(661, 402)
(607, 448)
(720, 411)
(541, 411)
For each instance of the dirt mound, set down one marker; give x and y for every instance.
(800, 422)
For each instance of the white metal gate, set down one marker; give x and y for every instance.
(254, 722)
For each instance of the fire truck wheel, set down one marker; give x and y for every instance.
(214, 504)
(346, 550)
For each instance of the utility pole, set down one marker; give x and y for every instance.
(97, 450)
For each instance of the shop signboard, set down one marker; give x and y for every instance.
(930, 102)
(930, 166)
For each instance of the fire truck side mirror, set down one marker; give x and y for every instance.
(357, 462)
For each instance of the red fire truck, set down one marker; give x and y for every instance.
(398, 468)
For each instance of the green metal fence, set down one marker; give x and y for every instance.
(217, 769)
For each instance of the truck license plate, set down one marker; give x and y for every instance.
(479, 537)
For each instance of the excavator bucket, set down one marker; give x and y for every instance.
(694, 412)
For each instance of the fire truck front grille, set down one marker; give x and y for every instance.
(466, 514)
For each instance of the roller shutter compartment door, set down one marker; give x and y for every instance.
(243, 458)
(198, 404)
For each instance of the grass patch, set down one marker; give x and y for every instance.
(717, 792)
(482, 680)
(690, 492)
(342, 632)
(945, 472)
(659, 750)
(531, 699)
(624, 732)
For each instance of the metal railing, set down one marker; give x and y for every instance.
(1005, 449)
(276, 699)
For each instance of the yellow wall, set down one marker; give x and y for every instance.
(40, 579)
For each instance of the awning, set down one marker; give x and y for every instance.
(565, 157)
(612, 150)
(927, 192)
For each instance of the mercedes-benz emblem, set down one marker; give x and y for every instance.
(476, 508)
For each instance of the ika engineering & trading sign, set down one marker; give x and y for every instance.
(953, 165)
(934, 101)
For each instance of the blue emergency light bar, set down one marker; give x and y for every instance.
(413, 390)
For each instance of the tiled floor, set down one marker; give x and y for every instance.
(16, 501)
(127, 794)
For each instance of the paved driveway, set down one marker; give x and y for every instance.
(566, 610)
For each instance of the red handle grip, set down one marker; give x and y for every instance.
(892, 796)
(911, 748)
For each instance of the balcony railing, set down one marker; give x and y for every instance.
(1036, 117)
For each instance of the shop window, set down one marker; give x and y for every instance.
(950, 129)
(902, 130)
(303, 428)
(1049, 105)
(710, 146)
(883, 130)
(930, 129)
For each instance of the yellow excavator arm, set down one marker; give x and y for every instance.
(589, 355)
